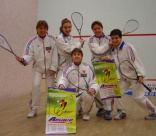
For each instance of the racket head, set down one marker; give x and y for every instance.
(127, 70)
(130, 26)
(77, 20)
(73, 80)
(5, 45)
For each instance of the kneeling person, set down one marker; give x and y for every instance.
(80, 75)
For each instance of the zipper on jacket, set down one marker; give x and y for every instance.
(118, 61)
(117, 56)
(78, 78)
(99, 41)
(44, 56)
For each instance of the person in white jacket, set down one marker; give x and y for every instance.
(42, 50)
(122, 51)
(81, 76)
(97, 42)
(66, 44)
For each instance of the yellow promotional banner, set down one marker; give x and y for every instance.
(61, 111)
(106, 77)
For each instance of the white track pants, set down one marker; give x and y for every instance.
(85, 101)
(36, 92)
(107, 104)
(138, 95)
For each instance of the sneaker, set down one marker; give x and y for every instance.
(86, 117)
(107, 115)
(100, 112)
(120, 115)
(32, 113)
(150, 116)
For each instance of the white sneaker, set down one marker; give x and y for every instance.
(32, 113)
(86, 117)
(150, 116)
(120, 115)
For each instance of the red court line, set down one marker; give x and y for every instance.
(86, 36)
(150, 79)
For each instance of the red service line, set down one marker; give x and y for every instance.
(87, 36)
(150, 79)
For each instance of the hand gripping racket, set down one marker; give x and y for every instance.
(4, 44)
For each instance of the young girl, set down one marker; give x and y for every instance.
(84, 82)
(96, 42)
(42, 50)
(122, 51)
(66, 44)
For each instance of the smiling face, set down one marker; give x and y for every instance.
(97, 30)
(42, 31)
(116, 40)
(116, 37)
(77, 57)
(66, 28)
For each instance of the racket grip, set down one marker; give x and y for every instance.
(23, 62)
(147, 87)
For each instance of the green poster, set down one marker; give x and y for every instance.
(107, 79)
(61, 111)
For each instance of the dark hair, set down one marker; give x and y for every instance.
(63, 22)
(116, 32)
(96, 23)
(42, 22)
(77, 50)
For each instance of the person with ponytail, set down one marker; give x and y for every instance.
(66, 45)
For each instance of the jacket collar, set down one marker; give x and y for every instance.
(103, 35)
(120, 46)
(41, 38)
(64, 35)
(77, 66)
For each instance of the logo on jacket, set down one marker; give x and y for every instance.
(83, 73)
(48, 49)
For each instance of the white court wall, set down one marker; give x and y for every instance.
(18, 20)
(113, 14)
(19, 17)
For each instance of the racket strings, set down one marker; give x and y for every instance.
(130, 26)
(73, 80)
(77, 20)
(5, 45)
(127, 70)
(87, 86)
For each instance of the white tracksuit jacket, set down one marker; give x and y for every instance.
(96, 44)
(43, 53)
(126, 51)
(99, 47)
(65, 46)
(77, 79)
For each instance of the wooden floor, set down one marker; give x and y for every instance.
(13, 121)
